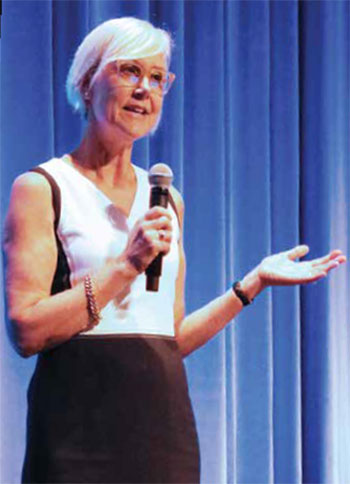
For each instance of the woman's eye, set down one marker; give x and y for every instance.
(130, 71)
(157, 78)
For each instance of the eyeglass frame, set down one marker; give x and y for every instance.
(162, 92)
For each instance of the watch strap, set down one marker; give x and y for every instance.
(237, 289)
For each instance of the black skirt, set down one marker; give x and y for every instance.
(111, 410)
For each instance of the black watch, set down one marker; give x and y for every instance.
(236, 288)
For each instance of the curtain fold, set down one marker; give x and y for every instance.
(285, 220)
(256, 129)
(325, 193)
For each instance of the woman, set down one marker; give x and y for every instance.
(108, 401)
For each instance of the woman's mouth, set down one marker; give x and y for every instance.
(136, 109)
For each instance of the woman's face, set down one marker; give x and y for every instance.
(128, 108)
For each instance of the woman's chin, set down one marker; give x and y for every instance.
(136, 130)
(132, 128)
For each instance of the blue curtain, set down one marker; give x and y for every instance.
(257, 131)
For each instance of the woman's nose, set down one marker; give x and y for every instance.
(145, 83)
(142, 91)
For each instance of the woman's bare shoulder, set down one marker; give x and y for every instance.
(30, 190)
(30, 204)
(31, 182)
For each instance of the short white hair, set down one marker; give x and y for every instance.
(120, 38)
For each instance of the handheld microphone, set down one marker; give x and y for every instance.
(160, 177)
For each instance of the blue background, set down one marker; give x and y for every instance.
(256, 130)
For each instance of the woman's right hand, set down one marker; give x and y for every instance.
(150, 236)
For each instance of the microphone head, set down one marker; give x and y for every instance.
(160, 175)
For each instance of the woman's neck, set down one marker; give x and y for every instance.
(108, 161)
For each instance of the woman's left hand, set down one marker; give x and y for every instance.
(283, 270)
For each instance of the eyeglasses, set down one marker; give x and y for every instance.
(131, 74)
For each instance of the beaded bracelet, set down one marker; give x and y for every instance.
(92, 306)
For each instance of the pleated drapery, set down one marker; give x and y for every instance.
(257, 132)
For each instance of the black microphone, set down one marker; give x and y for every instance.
(160, 177)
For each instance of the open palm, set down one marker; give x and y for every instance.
(283, 270)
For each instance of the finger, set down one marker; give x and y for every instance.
(297, 252)
(159, 240)
(336, 255)
(162, 223)
(321, 260)
(333, 264)
(162, 246)
(165, 235)
(327, 266)
(152, 237)
(157, 212)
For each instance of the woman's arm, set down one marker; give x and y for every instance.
(39, 320)
(200, 326)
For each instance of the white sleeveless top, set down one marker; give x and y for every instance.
(92, 230)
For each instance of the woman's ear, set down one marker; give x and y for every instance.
(85, 88)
